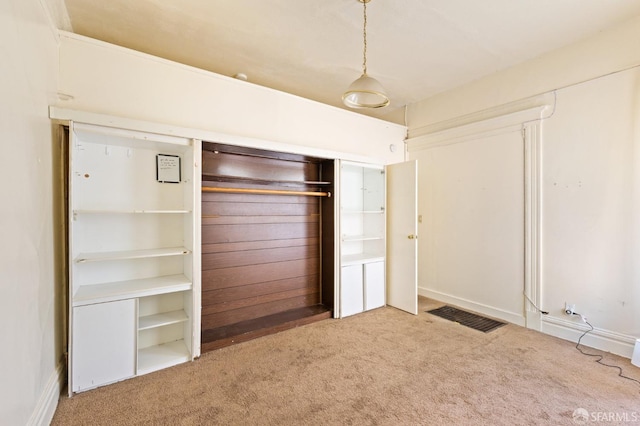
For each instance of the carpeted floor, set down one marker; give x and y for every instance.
(383, 367)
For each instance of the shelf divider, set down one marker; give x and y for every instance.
(109, 292)
(131, 254)
(133, 211)
(162, 356)
(354, 259)
(159, 320)
(347, 239)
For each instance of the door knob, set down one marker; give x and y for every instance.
(412, 237)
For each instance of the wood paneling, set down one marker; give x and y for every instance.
(256, 208)
(231, 294)
(222, 163)
(257, 245)
(262, 255)
(258, 232)
(246, 330)
(214, 279)
(255, 300)
(250, 257)
(220, 319)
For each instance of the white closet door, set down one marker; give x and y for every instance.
(402, 236)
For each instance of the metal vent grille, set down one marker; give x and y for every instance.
(467, 319)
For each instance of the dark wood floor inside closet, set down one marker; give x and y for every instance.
(263, 255)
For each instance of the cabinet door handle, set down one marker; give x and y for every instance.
(412, 237)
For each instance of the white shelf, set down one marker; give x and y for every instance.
(162, 319)
(90, 211)
(349, 238)
(133, 242)
(108, 292)
(360, 258)
(162, 356)
(381, 212)
(131, 254)
(362, 237)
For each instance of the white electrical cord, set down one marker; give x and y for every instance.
(534, 305)
(600, 357)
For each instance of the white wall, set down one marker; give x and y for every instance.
(591, 202)
(472, 232)
(589, 183)
(103, 78)
(610, 51)
(30, 307)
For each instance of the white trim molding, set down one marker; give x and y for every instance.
(48, 402)
(532, 135)
(526, 117)
(471, 130)
(57, 15)
(601, 339)
(511, 317)
(516, 112)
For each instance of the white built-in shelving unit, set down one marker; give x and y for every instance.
(134, 253)
(362, 237)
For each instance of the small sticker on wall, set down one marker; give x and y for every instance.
(168, 168)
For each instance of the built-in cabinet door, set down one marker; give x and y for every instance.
(352, 297)
(104, 343)
(402, 236)
(374, 288)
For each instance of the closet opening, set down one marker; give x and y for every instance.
(268, 221)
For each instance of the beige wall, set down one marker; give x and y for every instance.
(107, 79)
(30, 306)
(610, 51)
(591, 203)
(589, 181)
(471, 199)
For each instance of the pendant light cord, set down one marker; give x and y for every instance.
(364, 33)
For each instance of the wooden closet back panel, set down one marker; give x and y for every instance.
(248, 243)
(261, 254)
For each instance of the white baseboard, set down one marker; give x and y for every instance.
(604, 340)
(500, 314)
(567, 329)
(48, 402)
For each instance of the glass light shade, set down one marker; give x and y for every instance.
(365, 92)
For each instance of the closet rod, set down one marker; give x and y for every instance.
(265, 191)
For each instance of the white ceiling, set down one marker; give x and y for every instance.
(416, 48)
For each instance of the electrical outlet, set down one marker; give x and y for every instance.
(569, 308)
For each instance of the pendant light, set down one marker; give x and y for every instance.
(365, 92)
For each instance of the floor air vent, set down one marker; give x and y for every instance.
(465, 318)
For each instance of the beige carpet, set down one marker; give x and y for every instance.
(383, 367)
